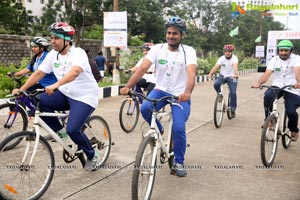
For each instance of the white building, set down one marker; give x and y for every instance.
(36, 6)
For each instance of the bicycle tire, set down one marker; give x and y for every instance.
(219, 110)
(171, 151)
(98, 132)
(144, 172)
(229, 114)
(269, 141)
(286, 133)
(12, 122)
(129, 114)
(21, 180)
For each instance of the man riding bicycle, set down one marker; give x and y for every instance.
(76, 89)
(228, 74)
(175, 74)
(286, 71)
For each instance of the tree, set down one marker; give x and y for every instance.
(14, 19)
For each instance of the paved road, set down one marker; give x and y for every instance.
(224, 163)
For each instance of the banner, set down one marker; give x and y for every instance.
(258, 39)
(115, 29)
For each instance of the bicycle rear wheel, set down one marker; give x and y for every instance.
(219, 110)
(129, 114)
(229, 113)
(12, 120)
(98, 132)
(286, 133)
(19, 178)
(144, 170)
(269, 141)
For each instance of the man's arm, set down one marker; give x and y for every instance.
(236, 70)
(136, 76)
(32, 80)
(263, 78)
(191, 75)
(213, 70)
(70, 76)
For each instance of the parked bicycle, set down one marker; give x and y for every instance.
(146, 159)
(222, 105)
(273, 128)
(27, 170)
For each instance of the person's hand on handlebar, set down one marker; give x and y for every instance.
(10, 74)
(297, 86)
(124, 91)
(255, 85)
(184, 97)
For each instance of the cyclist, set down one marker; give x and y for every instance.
(176, 71)
(228, 74)
(39, 47)
(148, 80)
(286, 71)
(76, 89)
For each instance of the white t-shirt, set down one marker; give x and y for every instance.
(84, 88)
(170, 71)
(148, 77)
(283, 71)
(227, 69)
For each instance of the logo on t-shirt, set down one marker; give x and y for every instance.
(161, 61)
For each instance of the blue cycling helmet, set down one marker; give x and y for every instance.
(177, 22)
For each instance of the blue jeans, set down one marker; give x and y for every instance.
(180, 116)
(292, 102)
(232, 83)
(78, 114)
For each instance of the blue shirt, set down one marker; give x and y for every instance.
(48, 79)
(100, 60)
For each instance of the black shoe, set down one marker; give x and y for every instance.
(233, 114)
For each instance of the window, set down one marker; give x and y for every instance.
(29, 1)
(42, 1)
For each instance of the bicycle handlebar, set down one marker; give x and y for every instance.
(33, 94)
(277, 89)
(170, 99)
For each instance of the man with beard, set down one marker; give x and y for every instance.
(175, 71)
(286, 71)
(228, 74)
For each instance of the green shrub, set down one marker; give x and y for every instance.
(249, 63)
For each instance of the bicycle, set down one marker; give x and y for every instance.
(221, 106)
(27, 170)
(14, 115)
(145, 164)
(271, 130)
(130, 111)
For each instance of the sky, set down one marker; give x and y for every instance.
(292, 18)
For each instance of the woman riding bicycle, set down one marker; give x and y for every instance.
(228, 74)
(76, 89)
(39, 47)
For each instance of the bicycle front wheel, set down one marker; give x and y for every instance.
(12, 120)
(286, 133)
(171, 152)
(129, 114)
(269, 141)
(144, 170)
(26, 173)
(219, 110)
(98, 132)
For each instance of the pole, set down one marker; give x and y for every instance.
(116, 73)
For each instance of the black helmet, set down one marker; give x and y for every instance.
(177, 22)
